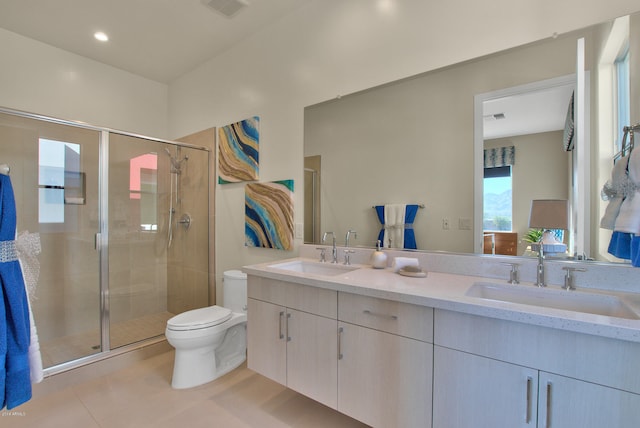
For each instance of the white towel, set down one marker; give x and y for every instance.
(615, 190)
(28, 248)
(400, 262)
(628, 220)
(394, 225)
(35, 357)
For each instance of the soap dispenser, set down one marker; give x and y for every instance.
(378, 258)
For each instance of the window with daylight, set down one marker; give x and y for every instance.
(498, 203)
(622, 92)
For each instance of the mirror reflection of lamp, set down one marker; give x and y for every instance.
(549, 215)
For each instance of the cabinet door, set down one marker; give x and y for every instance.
(566, 402)
(266, 340)
(312, 362)
(384, 380)
(473, 391)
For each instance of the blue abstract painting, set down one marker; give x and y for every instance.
(238, 151)
(269, 215)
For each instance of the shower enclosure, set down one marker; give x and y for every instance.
(123, 226)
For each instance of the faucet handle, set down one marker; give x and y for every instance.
(514, 275)
(323, 254)
(348, 236)
(324, 236)
(569, 279)
(347, 256)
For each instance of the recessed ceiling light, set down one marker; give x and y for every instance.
(101, 36)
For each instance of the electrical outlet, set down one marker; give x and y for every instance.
(299, 230)
(445, 223)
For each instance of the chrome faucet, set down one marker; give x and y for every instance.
(334, 252)
(569, 282)
(349, 233)
(514, 275)
(540, 269)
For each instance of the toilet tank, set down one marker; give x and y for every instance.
(235, 291)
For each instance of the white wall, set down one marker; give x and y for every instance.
(332, 47)
(38, 78)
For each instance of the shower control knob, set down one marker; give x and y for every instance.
(185, 221)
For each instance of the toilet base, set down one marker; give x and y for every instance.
(199, 366)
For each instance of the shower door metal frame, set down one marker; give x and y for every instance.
(102, 235)
(102, 241)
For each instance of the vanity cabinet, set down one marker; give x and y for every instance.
(385, 361)
(566, 402)
(369, 358)
(489, 372)
(266, 340)
(469, 390)
(291, 336)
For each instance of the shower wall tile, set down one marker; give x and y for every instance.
(81, 304)
(81, 256)
(47, 309)
(50, 258)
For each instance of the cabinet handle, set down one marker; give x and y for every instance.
(527, 416)
(340, 330)
(548, 405)
(376, 314)
(288, 337)
(280, 326)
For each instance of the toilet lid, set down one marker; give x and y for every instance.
(199, 318)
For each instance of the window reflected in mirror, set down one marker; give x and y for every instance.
(498, 203)
(143, 190)
(59, 179)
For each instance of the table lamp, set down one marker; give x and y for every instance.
(550, 214)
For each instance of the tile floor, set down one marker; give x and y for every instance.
(140, 395)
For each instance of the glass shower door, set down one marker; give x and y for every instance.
(158, 235)
(123, 226)
(54, 172)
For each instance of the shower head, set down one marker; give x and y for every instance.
(175, 163)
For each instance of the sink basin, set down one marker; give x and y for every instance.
(314, 268)
(577, 301)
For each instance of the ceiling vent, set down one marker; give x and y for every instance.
(492, 117)
(228, 8)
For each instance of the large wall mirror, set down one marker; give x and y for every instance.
(416, 142)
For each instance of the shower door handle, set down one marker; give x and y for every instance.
(97, 242)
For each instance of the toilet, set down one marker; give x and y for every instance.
(211, 341)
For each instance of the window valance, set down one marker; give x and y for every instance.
(499, 156)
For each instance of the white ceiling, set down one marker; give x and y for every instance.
(533, 112)
(157, 39)
(164, 39)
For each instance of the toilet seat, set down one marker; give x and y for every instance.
(199, 318)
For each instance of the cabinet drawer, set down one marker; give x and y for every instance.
(596, 359)
(403, 319)
(304, 298)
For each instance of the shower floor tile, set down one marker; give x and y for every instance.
(73, 347)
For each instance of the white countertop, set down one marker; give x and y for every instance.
(447, 291)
